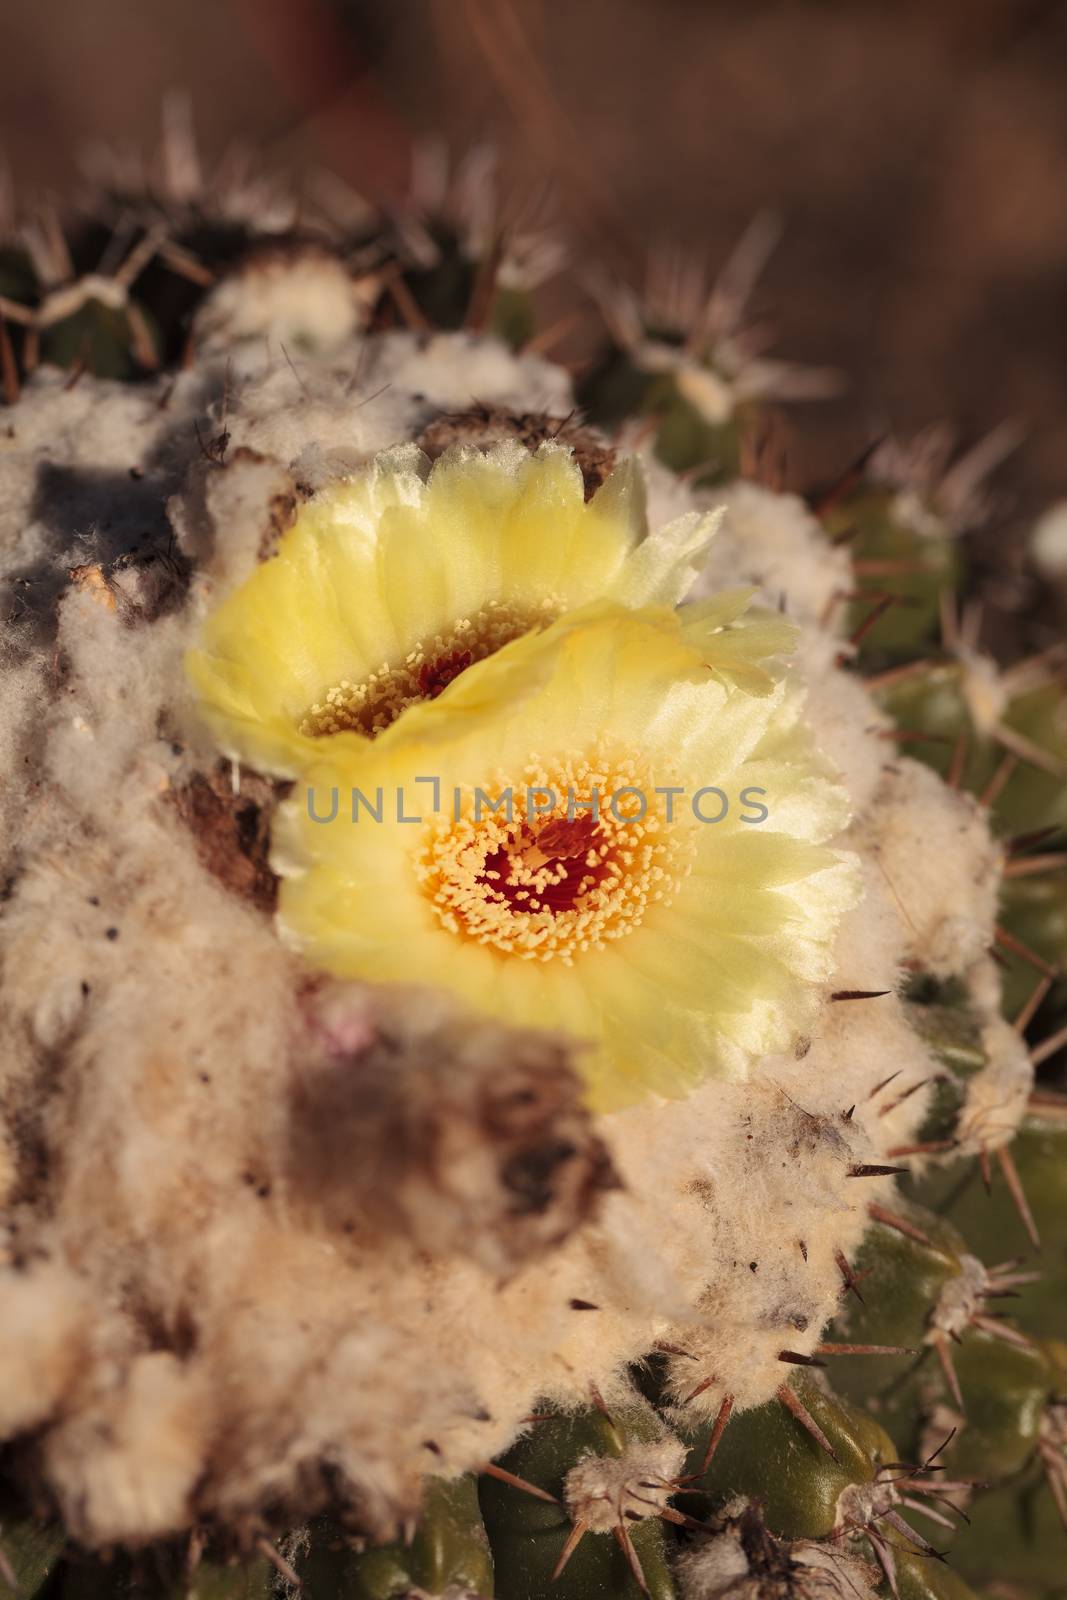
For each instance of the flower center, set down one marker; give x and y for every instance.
(373, 703)
(561, 881)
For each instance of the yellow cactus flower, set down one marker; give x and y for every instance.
(391, 583)
(598, 830)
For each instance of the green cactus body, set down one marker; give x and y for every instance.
(766, 1453)
(895, 557)
(906, 1272)
(1034, 910)
(932, 703)
(921, 1578)
(1040, 1155)
(528, 1535)
(30, 1552)
(686, 440)
(953, 1033)
(1013, 1542)
(99, 337)
(17, 279)
(1006, 1389)
(447, 1552)
(513, 317)
(213, 1580)
(1005, 1386)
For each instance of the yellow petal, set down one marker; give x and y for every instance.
(671, 948)
(391, 583)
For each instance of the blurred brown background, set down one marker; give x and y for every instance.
(917, 153)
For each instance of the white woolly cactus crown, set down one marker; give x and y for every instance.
(260, 1219)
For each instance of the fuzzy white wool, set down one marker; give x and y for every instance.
(849, 728)
(668, 495)
(773, 541)
(158, 1039)
(942, 866)
(718, 1568)
(320, 418)
(300, 299)
(132, 1459)
(47, 1315)
(67, 456)
(606, 1492)
(872, 945)
(1048, 542)
(960, 1299)
(230, 516)
(714, 1568)
(996, 1098)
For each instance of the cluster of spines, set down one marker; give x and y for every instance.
(112, 286)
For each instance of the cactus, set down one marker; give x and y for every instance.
(679, 361)
(430, 1202)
